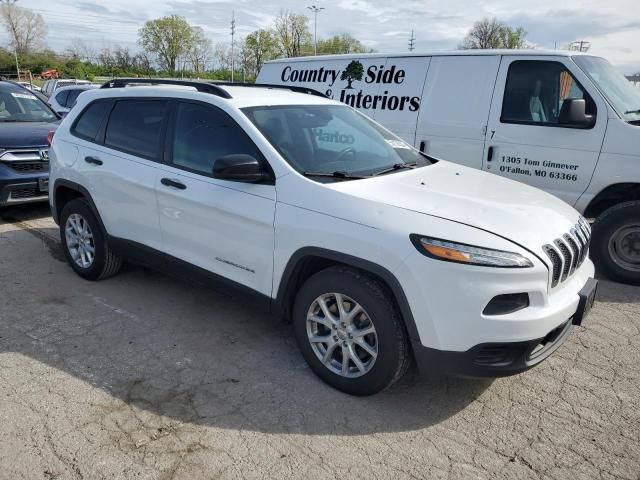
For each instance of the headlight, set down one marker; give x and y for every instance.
(463, 253)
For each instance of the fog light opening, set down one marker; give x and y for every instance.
(505, 304)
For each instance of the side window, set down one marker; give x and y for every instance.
(91, 120)
(72, 97)
(61, 98)
(135, 127)
(204, 133)
(535, 91)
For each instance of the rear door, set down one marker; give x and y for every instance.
(221, 226)
(525, 140)
(119, 165)
(455, 106)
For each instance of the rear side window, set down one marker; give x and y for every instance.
(135, 127)
(536, 90)
(61, 98)
(72, 97)
(204, 133)
(91, 120)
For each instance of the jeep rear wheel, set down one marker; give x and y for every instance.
(350, 332)
(85, 246)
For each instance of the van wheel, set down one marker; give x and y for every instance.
(615, 243)
(350, 332)
(84, 243)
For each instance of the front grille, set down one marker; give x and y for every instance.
(28, 167)
(568, 252)
(23, 193)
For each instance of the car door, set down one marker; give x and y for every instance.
(221, 226)
(526, 140)
(119, 165)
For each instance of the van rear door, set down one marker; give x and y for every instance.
(455, 107)
(529, 140)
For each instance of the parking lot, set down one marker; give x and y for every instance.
(145, 376)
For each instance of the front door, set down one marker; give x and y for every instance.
(526, 140)
(223, 227)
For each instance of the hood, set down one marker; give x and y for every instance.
(513, 210)
(25, 134)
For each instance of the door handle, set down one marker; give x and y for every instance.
(490, 154)
(173, 183)
(93, 160)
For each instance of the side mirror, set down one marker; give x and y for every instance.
(240, 168)
(573, 113)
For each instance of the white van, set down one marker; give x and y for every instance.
(565, 122)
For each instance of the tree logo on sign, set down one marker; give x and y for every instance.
(353, 72)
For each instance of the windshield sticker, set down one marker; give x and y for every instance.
(398, 144)
(23, 95)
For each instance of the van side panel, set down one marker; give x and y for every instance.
(400, 102)
(455, 107)
(387, 89)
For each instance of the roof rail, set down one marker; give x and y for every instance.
(293, 88)
(199, 86)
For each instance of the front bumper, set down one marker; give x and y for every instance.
(492, 359)
(20, 188)
(500, 359)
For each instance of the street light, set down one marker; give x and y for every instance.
(315, 11)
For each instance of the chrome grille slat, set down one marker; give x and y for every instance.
(568, 252)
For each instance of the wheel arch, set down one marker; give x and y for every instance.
(64, 191)
(307, 261)
(611, 196)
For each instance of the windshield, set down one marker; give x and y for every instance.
(23, 106)
(622, 95)
(333, 139)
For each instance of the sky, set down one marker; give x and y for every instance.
(612, 26)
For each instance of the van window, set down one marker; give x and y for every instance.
(135, 127)
(535, 91)
(89, 122)
(204, 133)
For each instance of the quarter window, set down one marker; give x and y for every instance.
(90, 121)
(204, 133)
(61, 98)
(135, 127)
(536, 90)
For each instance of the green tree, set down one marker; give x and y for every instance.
(344, 43)
(292, 34)
(353, 72)
(168, 38)
(491, 33)
(261, 46)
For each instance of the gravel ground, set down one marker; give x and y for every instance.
(143, 376)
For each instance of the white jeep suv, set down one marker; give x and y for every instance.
(377, 253)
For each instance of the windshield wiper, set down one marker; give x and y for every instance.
(395, 167)
(632, 111)
(336, 174)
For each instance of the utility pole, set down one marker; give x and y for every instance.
(315, 11)
(233, 34)
(412, 42)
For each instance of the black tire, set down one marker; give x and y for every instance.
(604, 229)
(105, 263)
(393, 355)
